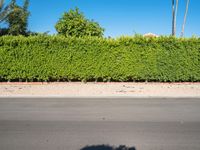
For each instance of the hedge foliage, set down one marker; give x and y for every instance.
(57, 58)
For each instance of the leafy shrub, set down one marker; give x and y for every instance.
(53, 58)
(74, 23)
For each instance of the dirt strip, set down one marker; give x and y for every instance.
(113, 89)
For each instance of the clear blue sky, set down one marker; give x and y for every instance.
(118, 17)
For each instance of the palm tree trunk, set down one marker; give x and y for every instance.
(176, 11)
(185, 17)
(173, 17)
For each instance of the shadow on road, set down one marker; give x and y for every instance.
(107, 147)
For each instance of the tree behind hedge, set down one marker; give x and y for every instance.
(18, 18)
(4, 10)
(74, 23)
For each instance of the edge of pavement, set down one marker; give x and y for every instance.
(98, 97)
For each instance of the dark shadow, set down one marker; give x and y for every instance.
(107, 147)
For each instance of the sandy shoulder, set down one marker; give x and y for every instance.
(78, 89)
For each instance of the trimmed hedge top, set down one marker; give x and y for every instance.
(57, 58)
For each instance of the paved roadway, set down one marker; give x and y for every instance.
(71, 124)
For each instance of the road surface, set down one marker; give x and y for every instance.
(71, 124)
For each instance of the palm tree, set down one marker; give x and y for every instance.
(185, 17)
(174, 16)
(176, 11)
(3, 11)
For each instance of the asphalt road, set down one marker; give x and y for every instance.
(71, 124)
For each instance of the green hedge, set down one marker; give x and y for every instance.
(56, 58)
